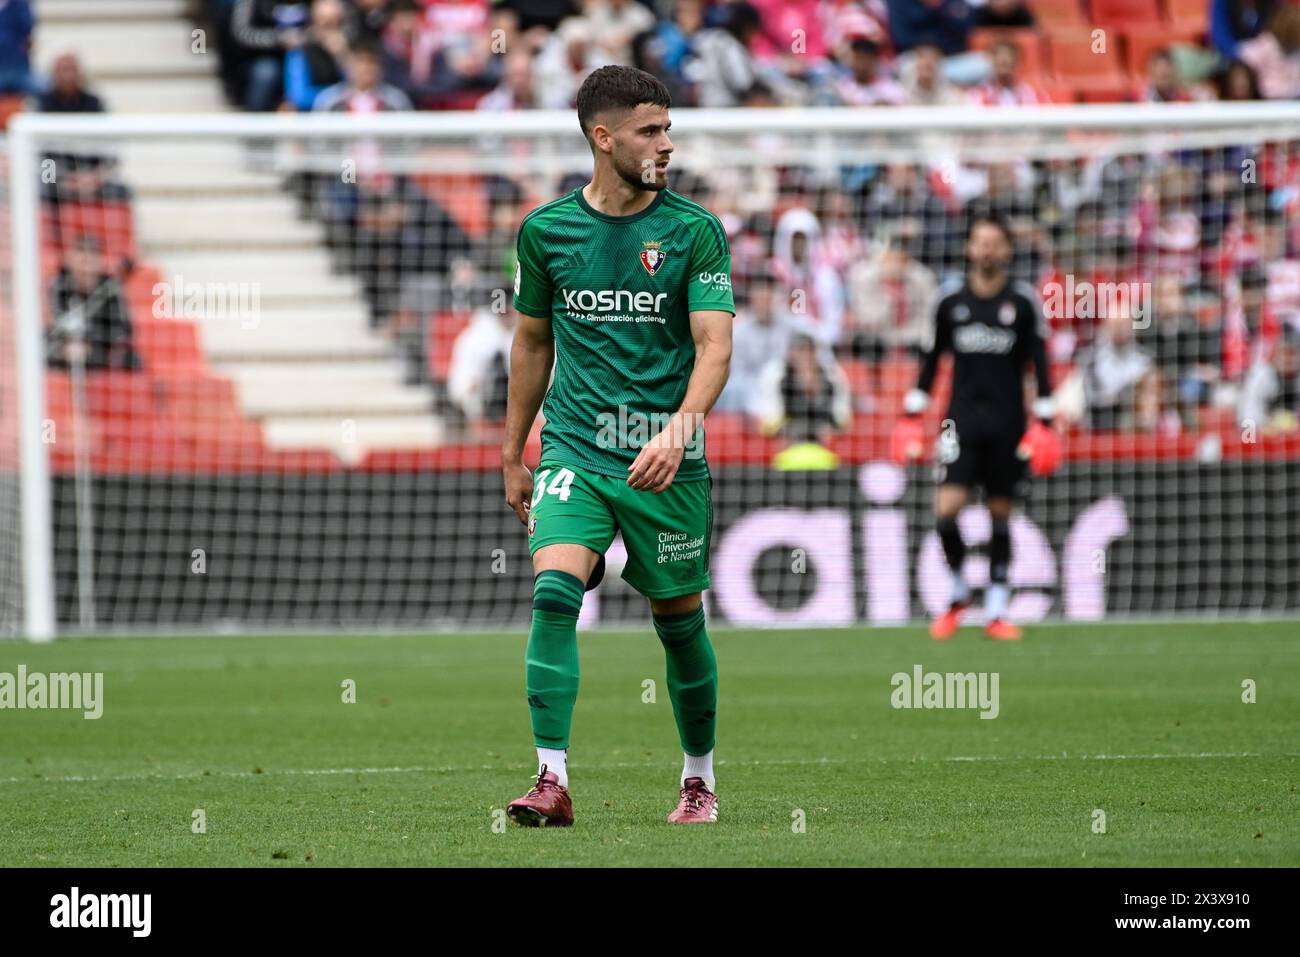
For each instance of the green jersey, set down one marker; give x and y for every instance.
(619, 291)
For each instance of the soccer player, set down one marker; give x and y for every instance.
(626, 287)
(993, 327)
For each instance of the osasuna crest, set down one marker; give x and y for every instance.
(652, 257)
(1007, 313)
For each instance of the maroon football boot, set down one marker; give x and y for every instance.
(546, 805)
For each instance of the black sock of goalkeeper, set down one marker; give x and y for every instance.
(954, 550)
(995, 603)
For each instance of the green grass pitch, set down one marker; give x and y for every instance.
(1143, 722)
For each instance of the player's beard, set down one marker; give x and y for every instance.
(990, 270)
(633, 176)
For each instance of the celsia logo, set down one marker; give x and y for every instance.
(612, 300)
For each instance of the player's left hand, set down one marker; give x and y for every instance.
(657, 463)
(1041, 448)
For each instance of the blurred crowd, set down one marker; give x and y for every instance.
(1171, 279)
(527, 54)
(1170, 288)
(836, 280)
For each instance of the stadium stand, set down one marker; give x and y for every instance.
(383, 331)
(211, 221)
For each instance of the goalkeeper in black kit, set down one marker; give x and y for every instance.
(994, 329)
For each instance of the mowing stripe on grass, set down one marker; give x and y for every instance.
(623, 766)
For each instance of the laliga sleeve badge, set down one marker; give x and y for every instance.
(532, 525)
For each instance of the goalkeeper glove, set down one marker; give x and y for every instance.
(1041, 446)
(907, 443)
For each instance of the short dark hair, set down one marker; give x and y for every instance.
(742, 20)
(367, 50)
(501, 190)
(1239, 66)
(617, 88)
(989, 218)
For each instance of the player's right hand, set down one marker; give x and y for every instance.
(907, 443)
(519, 489)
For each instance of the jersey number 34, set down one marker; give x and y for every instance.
(557, 486)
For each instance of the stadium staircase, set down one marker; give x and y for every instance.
(301, 380)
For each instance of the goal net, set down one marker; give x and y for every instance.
(264, 359)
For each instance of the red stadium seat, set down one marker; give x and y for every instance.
(185, 397)
(1139, 45)
(1192, 16)
(110, 223)
(9, 106)
(1121, 91)
(138, 286)
(51, 263)
(167, 343)
(1028, 42)
(116, 394)
(443, 330)
(1096, 74)
(1058, 13)
(1110, 13)
(894, 378)
(145, 430)
(463, 196)
(859, 376)
(58, 394)
(1059, 92)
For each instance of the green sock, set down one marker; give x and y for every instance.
(692, 678)
(551, 662)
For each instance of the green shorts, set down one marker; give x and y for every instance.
(667, 535)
